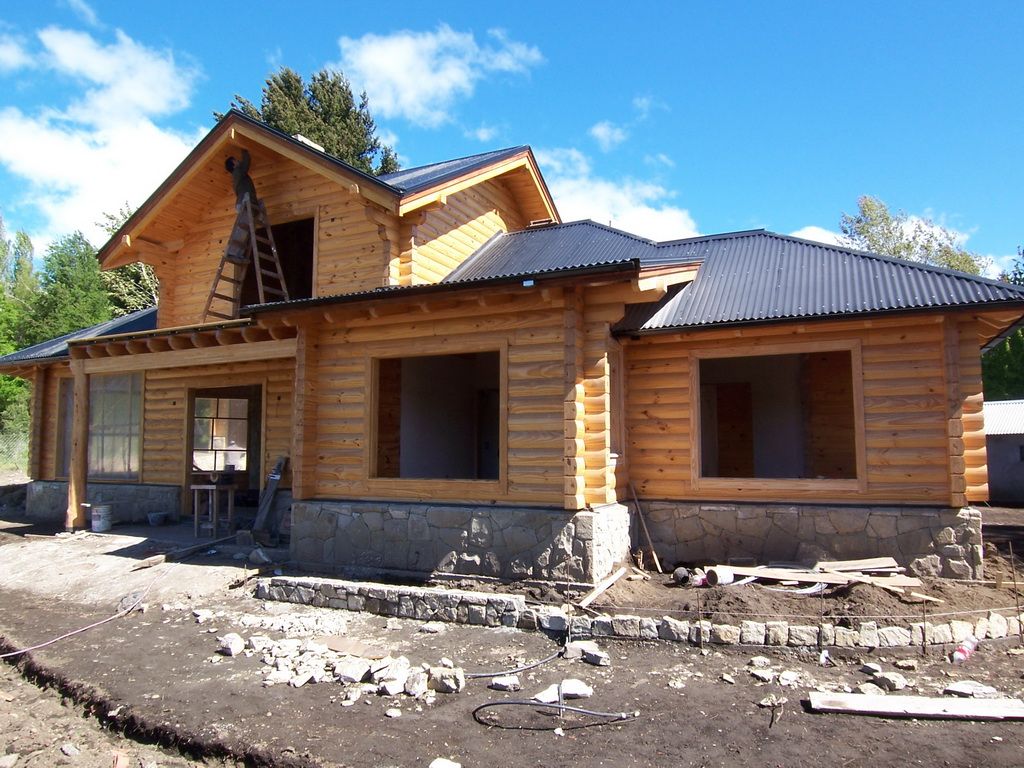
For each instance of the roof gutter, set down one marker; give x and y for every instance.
(630, 266)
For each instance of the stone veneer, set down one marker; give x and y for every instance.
(928, 541)
(492, 610)
(503, 542)
(47, 500)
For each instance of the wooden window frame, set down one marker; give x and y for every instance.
(731, 485)
(426, 488)
(137, 476)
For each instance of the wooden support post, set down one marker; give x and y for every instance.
(77, 486)
(304, 414)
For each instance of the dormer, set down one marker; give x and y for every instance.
(337, 229)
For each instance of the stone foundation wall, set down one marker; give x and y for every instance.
(502, 542)
(927, 541)
(47, 500)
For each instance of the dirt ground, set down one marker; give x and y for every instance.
(150, 677)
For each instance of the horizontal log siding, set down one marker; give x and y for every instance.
(904, 403)
(351, 253)
(342, 412)
(447, 235)
(166, 407)
(50, 427)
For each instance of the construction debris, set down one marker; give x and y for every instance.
(505, 683)
(971, 689)
(918, 706)
(570, 688)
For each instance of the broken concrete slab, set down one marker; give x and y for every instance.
(571, 688)
(971, 689)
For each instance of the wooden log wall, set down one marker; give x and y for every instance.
(442, 237)
(353, 239)
(165, 415)
(45, 422)
(527, 327)
(902, 388)
(966, 426)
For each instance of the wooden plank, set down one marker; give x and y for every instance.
(918, 706)
(601, 587)
(77, 487)
(810, 577)
(866, 564)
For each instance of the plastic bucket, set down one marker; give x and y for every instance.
(101, 518)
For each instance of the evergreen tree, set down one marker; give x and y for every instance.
(877, 229)
(72, 295)
(326, 112)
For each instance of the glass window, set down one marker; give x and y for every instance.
(115, 426)
(220, 433)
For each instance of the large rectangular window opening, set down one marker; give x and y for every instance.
(295, 243)
(778, 416)
(439, 417)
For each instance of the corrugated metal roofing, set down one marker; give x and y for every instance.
(412, 180)
(756, 276)
(136, 322)
(549, 249)
(1004, 417)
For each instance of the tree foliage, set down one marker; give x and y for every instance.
(877, 229)
(133, 286)
(325, 111)
(1002, 367)
(72, 295)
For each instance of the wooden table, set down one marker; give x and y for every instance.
(212, 491)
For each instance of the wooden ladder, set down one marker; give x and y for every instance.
(251, 244)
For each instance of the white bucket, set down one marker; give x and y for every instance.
(101, 518)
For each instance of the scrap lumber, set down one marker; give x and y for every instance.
(643, 526)
(918, 706)
(179, 554)
(867, 564)
(875, 581)
(805, 576)
(600, 588)
(269, 491)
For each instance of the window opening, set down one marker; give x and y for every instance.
(294, 241)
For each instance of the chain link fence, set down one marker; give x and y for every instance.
(13, 451)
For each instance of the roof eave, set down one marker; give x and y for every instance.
(630, 266)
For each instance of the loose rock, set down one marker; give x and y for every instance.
(446, 679)
(231, 644)
(890, 681)
(571, 689)
(971, 689)
(394, 712)
(505, 683)
(70, 750)
(906, 664)
(442, 762)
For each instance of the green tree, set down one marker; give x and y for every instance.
(1002, 367)
(324, 111)
(72, 295)
(877, 229)
(18, 287)
(133, 286)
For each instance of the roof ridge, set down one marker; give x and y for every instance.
(716, 236)
(517, 147)
(585, 222)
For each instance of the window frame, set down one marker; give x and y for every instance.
(136, 475)
(448, 489)
(780, 485)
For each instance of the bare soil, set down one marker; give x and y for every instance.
(150, 677)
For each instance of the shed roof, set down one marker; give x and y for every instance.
(411, 180)
(1004, 417)
(57, 349)
(757, 276)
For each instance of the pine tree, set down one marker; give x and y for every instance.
(326, 112)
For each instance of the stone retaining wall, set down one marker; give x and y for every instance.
(47, 500)
(927, 541)
(436, 604)
(502, 542)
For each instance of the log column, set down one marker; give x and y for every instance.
(77, 485)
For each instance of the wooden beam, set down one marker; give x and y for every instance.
(918, 706)
(235, 353)
(74, 516)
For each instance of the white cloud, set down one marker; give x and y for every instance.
(103, 147)
(607, 135)
(421, 75)
(640, 207)
(85, 12)
(660, 159)
(819, 234)
(13, 54)
(484, 133)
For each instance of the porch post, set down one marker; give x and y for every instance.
(77, 488)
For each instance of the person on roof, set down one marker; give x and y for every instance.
(240, 179)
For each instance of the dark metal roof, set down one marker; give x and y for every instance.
(757, 276)
(413, 180)
(550, 248)
(55, 349)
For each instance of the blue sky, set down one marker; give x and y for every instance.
(667, 120)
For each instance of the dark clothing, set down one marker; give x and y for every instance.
(240, 179)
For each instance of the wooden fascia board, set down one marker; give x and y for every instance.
(438, 193)
(200, 356)
(661, 280)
